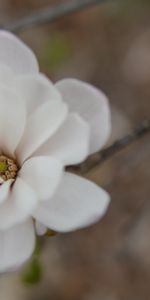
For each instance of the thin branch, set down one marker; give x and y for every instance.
(107, 153)
(50, 14)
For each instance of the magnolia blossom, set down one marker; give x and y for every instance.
(44, 127)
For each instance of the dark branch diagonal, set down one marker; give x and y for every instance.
(139, 132)
(50, 14)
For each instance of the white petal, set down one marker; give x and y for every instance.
(43, 174)
(78, 203)
(24, 197)
(41, 125)
(5, 189)
(70, 144)
(35, 89)
(6, 76)
(40, 228)
(12, 120)
(92, 105)
(16, 55)
(16, 245)
(18, 206)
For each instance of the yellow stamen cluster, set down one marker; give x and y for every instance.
(8, 168)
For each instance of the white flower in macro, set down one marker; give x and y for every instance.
(44, 128)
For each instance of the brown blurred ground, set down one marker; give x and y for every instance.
(110, 260)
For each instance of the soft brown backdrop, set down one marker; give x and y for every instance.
(109, 46)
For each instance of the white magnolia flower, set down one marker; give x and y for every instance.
(43, 128)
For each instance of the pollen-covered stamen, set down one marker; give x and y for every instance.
(8, 168)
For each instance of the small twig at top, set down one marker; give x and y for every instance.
(50, 14)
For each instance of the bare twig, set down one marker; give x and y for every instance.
(117, 146)
(50, 14)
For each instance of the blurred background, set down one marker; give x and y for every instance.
(109, 46)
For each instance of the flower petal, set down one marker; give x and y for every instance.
(16, 55)
(40, 228)
(70, 144)
(35, 89)
(5, 189)
(24, 197)
(16, 245)
(78, 203)
(92, 105)
(18, 206)
(43, 174)
(12, 120)
(41, 125)
(6, 75)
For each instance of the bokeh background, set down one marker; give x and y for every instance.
(109, 46)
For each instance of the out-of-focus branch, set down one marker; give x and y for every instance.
(139, 132)
(50, 14)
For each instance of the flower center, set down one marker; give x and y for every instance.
(8, 168)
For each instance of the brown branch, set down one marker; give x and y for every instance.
(50, 14)
(117, 146)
